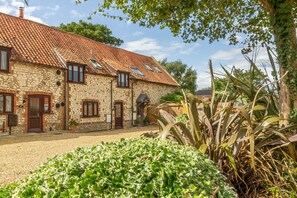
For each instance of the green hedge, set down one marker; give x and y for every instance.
(176, 98)
(127, 168)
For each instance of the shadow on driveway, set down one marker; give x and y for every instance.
(61, 135)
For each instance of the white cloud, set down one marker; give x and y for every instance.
(147, 46)
(12, 8)
(17, 3)
(128, 22)
(36, 19)
(203, 79)
(183, 48)
(226, 55)
(56, 8)
(176, 45)
(152, 47)
(137, 33)
(234, 57)
(6, 9)
(48, 14)
(189, 50)
(144, 44)
(52, 11)
(76, 14)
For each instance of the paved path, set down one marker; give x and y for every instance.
(21, 154)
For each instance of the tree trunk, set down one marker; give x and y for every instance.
(282, 21)
(284, 100)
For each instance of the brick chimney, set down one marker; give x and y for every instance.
(21, 12)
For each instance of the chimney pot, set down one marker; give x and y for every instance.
(21, 12)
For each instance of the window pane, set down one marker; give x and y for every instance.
(46, 104)
(85, 109)
(118, 111)
(90, 109)
(34, 106)
(127, 80)
(157, 68)
(8, 103)
(1, 103)
(75, 73)
(95, 109)
(70, 73)
(3, 60)
(137, 71)
(81, 74)
(122, 80)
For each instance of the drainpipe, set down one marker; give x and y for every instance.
(132, 103)
(66, 103)
(111, 103)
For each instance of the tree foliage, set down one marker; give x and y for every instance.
(184, 75)
(254, 78)
(97, 32)
(261, 21)
(193, 20)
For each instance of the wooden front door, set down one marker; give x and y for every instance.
(118, 115)
(35, 114)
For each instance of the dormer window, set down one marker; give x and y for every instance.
(95, 64)
(148, 67)
(137, 71)
(123, 79)
(76, 73)
(4, 59)
(157, 68)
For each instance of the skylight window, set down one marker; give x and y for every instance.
(157, 68)
(96, 64)
(148, 67)
(137, 71)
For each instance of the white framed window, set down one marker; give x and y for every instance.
(148, 67)
(137, 71)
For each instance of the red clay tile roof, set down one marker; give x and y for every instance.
(37, 43)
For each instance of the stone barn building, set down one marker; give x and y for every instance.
(49, 77)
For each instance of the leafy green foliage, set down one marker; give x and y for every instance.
(6, 191)
(251, 80)
(184, 75)
(127, 168)
(247, 143)
(182, 118)
(283, 20)
(175, 97)
(96, 32)
(193, 20)
(258, 20)
(73, 123)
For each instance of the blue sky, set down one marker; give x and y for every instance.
(153, 42)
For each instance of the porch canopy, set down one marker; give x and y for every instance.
(143, 99)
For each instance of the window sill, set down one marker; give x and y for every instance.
(4, 71)
(80, 83)
(6, 113)
(90, 116)
(123, 87)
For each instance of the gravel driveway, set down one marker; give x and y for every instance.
(21, 154)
